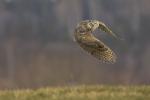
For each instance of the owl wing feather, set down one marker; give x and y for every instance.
(99, 50)
(106, 29)
(94, 45)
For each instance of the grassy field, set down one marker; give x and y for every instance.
(80, 93)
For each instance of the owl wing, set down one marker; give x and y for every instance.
(95, 45)
(99, 50)
(106, 29)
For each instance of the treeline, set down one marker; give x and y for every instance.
(37, 48)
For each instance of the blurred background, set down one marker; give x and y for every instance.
(37, 47)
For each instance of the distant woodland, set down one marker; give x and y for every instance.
(37, 47)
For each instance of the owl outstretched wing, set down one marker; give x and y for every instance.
(99, 50)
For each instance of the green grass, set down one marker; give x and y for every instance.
(80, 93)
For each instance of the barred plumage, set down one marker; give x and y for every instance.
(91, 44)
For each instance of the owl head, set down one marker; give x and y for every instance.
(88, 26)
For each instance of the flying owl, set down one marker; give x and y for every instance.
(84, 37)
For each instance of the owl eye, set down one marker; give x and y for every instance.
(91, 24)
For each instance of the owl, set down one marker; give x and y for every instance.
(84, 37)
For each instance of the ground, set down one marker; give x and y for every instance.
(96, 92)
